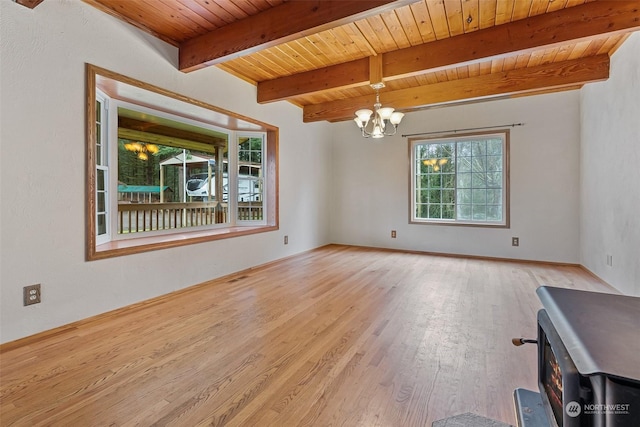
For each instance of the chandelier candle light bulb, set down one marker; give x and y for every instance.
(385, 113)
(363, 117)
(396, 117)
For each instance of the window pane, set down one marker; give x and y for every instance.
(447, 165)
(478, 180)
(479, 196)
(101, 202)
(447, 149)
(421, 210)
(464, 212)
(479, 164)
(102, 224)
(494, 197)
(100, 177)
(253, 157)
(434, 211)
(448, 196)
(464, 149)
(478, 148)
(464, 180)
(462, 177)
(479, 213)
(494, 213)
(464, 164)
(464, 196)
(250, 154)
(98, 144)
(448, 180)
(448, 211)
(434, 180)
(494, 147)
(494, 163)
(494, 180)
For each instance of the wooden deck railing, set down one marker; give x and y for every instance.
(141, 217)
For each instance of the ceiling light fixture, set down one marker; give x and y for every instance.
(385, 121)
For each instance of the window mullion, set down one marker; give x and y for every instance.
(455, 181)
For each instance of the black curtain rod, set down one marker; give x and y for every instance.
(463, 130)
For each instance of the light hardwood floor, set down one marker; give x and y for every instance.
(339, 336)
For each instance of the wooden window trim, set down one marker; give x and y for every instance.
(149, 243)
(152, 243)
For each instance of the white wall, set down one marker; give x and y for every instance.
(42, 137)
(371, 182)
(610, 179)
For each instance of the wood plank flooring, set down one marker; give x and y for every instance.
(338, 336)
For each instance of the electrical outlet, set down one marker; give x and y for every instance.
(610, 260)
(393, 234)
(515, 241)
(31, 294)
(286, 240)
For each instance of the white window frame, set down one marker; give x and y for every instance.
(236, 175)
(413, 143)
(104, 166)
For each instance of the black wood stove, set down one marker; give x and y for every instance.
(588, 362)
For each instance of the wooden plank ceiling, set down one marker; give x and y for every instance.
(323, 55)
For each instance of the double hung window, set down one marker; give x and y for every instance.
(103, 231)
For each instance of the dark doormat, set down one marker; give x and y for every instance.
(468, 420)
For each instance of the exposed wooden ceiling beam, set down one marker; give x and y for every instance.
(375, 69)
(341, 76)
(289, 21)
(518, 81)
(548, 30)
(542, 31)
